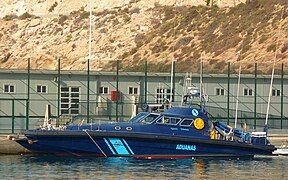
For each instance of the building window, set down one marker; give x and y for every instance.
(8, 88)
(276, 92)
(248, 92)
(220, 92)
(168, 94)
(70, 100)
(159, 96)
(41, 89)
(163, 95)
(103, 90)
(133, 90)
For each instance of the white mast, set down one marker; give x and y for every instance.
(237, 97)
(270, 90)
(90, 32)
(272, 77)
(201, 80)
(171, 82)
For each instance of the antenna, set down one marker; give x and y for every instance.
(237, 98)
(201, 80)
(90, 32)
(272, 76)
(270, 90)
(171, 85)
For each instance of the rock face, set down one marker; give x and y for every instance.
(137, 30)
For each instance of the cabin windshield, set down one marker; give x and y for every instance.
(169, 120)
(144, 117)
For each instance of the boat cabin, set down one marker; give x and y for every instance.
(182, 121)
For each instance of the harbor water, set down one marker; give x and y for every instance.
(53, 167)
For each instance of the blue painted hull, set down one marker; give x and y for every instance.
(113, 144)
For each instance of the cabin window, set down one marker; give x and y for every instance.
(276, 92)
(103, 90)
(149, 119)
(186, 122)
(8, 88)
(41, 89)
(248, 92)
(220, 92)
(132, 90)
(168, 120)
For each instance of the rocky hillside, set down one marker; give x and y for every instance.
(137, 30)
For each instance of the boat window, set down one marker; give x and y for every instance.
(149, 119)
(186, 122)
(138, 117)
(144, 117)
(169, 120)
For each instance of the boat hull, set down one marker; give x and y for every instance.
(137, 145)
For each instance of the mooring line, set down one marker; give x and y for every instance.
(95, 142)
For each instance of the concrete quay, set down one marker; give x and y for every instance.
(9, 146)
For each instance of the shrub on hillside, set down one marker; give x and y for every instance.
(271, 47)
(139, 38)
(284, 48)
(62, 19)
(10, 17)
(26, 15)
(53, 7)
(68, 38)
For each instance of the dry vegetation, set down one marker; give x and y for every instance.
(186, 32)
(247, 33)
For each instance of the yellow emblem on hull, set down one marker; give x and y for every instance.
(199, 123)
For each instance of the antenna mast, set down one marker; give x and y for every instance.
(237, 98)
(90, 32)
(201, 80)
(270, 90)
(272, 77)
(171, 82)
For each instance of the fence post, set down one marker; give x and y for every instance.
(58, 87)
(282, 94)
(28, 96)
(13, 115)
(88, 90)
(117, 88)
(228, 94)
(255, 96)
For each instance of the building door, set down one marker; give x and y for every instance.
(70, 100)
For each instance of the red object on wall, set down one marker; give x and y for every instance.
(115, 95)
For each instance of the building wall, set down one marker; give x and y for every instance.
(106, 107)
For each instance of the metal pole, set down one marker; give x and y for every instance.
(117, 88)
(28, 96)
(88, 91)
(174, 68)
(270, 93)
(145, 83)
(13, 115)
(282, 94)
(237, 97)
(228, 94)
(201, 81)
(88, 63)
(255, 96)
(171, 82)
(58, 86)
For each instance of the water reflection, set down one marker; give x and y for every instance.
(35, 167)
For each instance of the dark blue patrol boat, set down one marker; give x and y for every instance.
(178, 132)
